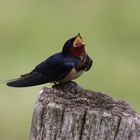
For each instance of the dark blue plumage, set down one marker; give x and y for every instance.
(60, 67)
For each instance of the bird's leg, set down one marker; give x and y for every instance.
(72, 82)
(55, 85)
(63, 85)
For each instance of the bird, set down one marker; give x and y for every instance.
(60, 67)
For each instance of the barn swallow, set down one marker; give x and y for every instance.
(64, 66)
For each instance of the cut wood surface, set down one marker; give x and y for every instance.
(69, 112)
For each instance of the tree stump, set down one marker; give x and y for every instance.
(69, 112)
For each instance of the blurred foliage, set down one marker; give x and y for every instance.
(30, 31)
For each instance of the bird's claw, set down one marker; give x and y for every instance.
(62, 85)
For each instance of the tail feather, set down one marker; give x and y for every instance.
(6, 81)
(27, 80)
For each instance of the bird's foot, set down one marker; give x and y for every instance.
(63, 85)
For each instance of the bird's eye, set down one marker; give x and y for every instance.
(68, 43)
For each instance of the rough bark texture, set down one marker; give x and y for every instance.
(69, 112)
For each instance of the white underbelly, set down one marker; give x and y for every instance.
(72, 75)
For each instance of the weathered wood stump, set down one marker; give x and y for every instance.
(69, 112)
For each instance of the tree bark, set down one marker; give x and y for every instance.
(69, 112)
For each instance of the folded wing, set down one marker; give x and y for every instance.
(51, 70)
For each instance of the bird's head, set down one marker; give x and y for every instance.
(74, 46)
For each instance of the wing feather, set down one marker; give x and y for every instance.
(31, 79)
(52, 70)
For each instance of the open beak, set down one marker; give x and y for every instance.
(78, 42)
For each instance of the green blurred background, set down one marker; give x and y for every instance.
(30, 31)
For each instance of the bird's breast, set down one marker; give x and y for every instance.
(73, 74)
